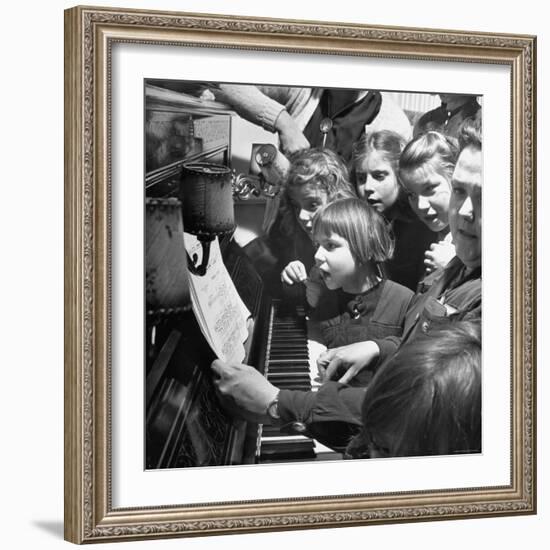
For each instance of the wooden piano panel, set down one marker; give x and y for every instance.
(186, 426)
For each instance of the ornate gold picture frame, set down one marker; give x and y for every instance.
(91, 34)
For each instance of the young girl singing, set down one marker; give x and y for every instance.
(353, 241)
(284, 257)
(316, 177)
(375, 173)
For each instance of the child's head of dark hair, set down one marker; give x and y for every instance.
(390, 144)
(365, 230)
(426, 400)
(322, 168)
(433, 149)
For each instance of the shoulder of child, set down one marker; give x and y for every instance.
(397, 291)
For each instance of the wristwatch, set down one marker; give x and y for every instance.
(273, 409)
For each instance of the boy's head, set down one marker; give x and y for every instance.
(427, 399)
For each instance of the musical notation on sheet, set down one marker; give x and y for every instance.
(220, 312)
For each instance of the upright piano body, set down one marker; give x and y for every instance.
(185, 424)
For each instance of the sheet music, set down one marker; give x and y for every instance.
(220, 312)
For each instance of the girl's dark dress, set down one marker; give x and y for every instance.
(375, 314)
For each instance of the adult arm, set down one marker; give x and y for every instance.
(243, 390)
(331, 415)
(269, 107)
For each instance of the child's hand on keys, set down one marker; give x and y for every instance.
(294, 272)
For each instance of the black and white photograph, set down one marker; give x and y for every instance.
(312, 273)
(274, 237)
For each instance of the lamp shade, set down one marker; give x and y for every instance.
(207, 195)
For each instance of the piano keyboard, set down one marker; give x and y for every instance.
(292, 351)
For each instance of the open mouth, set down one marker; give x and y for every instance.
(378, 205)
(306, 225)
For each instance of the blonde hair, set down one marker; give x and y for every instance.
(433, 149)
(322, 168)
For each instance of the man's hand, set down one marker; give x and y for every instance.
(244, 390)
(294, 272)
(291, 137)
(345, 362)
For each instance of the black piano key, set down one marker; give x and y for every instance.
(299, 357)
(270, 431)
(286, 368)
(286, 361)
(289, 351)
(293, 386)
(284, 354)
(276, 377)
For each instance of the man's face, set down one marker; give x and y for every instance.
(465, 206)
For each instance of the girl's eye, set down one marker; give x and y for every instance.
(330, 245)
(458, 191)
(412, 196)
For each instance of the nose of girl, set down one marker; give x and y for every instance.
(305, 217)
(319, 256)
(364, 191)
(423, 203)
(370, 185)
